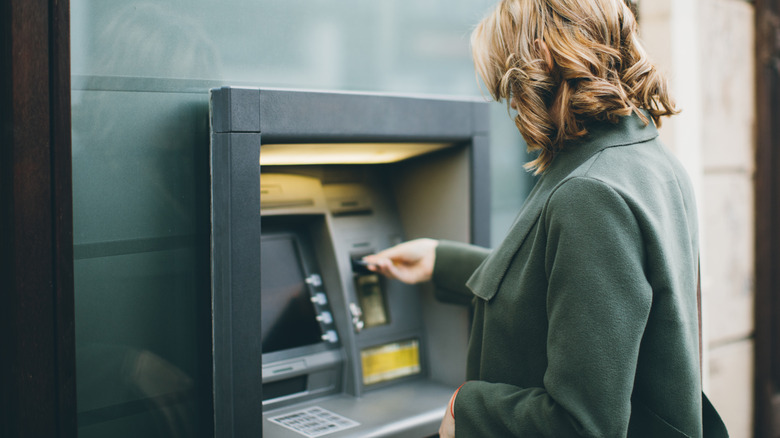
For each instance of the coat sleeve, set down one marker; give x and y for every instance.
(455, 262)
(598, 302)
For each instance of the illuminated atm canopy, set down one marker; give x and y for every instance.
(344, 153)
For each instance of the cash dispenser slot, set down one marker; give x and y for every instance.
(284, 388)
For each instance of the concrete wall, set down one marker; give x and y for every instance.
(706, 47)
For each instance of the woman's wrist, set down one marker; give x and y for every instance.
(452, 400)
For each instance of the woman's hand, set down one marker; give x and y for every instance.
(410, 262)
(447, 427)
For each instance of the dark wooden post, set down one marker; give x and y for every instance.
(767, 338)
(37, 347)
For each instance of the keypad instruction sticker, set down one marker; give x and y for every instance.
(314, 422)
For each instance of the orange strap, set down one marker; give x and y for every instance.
(452, 402)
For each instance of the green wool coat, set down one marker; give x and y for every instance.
(585, 316)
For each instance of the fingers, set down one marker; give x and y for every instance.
(379, 264)
(407, 252)
(391, 269)
(384, 262)
(404, 252)
(410, 262)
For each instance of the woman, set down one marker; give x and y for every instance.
(585, 316)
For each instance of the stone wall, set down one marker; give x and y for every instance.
(707, 49)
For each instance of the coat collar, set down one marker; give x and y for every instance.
(628, 130)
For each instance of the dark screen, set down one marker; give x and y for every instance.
(288, 317)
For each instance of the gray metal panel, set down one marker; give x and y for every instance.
(481, 116)
(301, 115)
(480, 190)
(238, 110)
(245, 274)
(235, 239)
(220, 283)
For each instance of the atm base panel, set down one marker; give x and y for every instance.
(413, 409)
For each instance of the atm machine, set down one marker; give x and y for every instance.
(307, 342)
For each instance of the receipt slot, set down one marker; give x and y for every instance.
(307, 341)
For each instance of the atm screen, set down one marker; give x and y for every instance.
(288, 315)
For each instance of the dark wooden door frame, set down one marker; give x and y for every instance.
(767, 334)
(37, 346)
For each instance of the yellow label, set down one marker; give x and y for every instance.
(390, 361)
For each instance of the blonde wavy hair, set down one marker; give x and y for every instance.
(597, 69)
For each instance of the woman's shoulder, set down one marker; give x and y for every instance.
(643, 179)
(637, 168)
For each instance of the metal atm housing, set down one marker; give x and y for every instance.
(306, 341)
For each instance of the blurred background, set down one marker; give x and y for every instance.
(141, 72)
